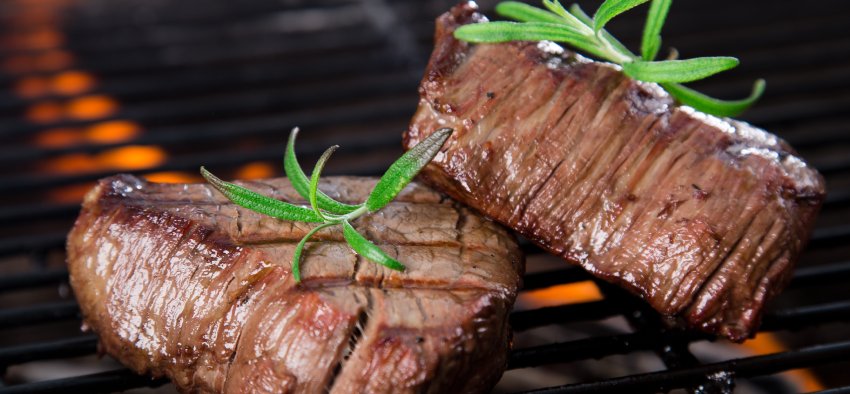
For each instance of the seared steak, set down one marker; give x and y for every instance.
(703, 217)
(179, 282)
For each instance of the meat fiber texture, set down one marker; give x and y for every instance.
(177, 281)
(702, 217)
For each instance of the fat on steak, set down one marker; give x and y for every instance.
(177, 281)
(702, 217)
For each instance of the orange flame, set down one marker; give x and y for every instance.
(112, 131)
(255, 170)
(133, 157)
(58, 137)
(70, 83)
(31, 87)
(91, 107)
(173, 177)
(570, 293)
(45, 112)
(53, 60)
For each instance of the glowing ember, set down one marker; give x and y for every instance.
(31, 87)
(571, 293)
(255, 170)
(53, 60)
(134, 157)
(45, 112)
(71, 163)
(72, 82)
(112, 131)
(91, 107)
(173, 177)
(58, 137)
(70, 194)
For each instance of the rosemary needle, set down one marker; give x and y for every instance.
(327, 211)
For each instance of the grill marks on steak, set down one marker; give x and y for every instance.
(702, 217)
(176, 281)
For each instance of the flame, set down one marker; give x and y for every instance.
(255, 170)
(71, 164)
(70, 83)
(57, 137)
(53, 60)
(173, 177)
(133, 157)
(70, 193)
(570, 293)
(31, 87)
(91, 107)
(45, 112)
(112, 131)
(18, 64)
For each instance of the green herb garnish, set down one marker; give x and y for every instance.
(327, 211)
(588, 35)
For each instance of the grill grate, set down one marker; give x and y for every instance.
(190, 82)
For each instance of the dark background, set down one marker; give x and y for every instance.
(89, 88)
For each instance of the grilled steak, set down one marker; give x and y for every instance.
(703, 217)
(179, 282)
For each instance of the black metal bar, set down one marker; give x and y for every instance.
(807, 316)
(32, 279)
(837, 390)
(595, 347)
(820, 274)
(824, 237)
(39, 211)
(104, 382)
(42, 313)
(32, 242)
(65, 348)
(588, 311)
(738, 368)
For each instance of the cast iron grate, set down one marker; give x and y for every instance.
(219, 83)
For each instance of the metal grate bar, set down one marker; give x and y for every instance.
(31, 280)
(595, 347)
(806, 316)
(524, 320)
(72, 347)
(104, 382)
(35, 314)
(829, 236)
(820, 274)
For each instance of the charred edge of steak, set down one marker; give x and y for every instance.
(748, 258)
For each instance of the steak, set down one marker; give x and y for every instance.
(702, 217)
(177, 281)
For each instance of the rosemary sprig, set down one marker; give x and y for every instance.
(327, 211)
(574, 27)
